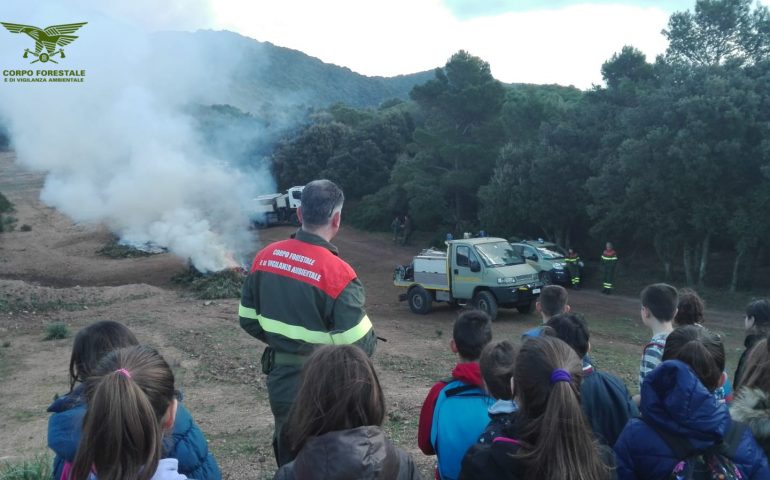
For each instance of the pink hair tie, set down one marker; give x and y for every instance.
(123, 372)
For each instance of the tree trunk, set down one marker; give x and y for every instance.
(687, 260)
(704, 258)
(667, 270)
(736, 270)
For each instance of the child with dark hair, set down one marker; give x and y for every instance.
(757, 323)
(185, 442)
(752, 401)
(659, 303)
(553, 300)
(691, 311)
(335, 424)
(454, 413)
(497, 362)
(551, 438)
(604, 397)
(679, 412)
(131, 403)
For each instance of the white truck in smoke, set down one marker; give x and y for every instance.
(275, 208)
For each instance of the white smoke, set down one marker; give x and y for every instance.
(119, 148)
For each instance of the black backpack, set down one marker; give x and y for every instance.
(713, 463)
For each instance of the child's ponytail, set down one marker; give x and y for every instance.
(699, 348)
(556, 438)
(128, 400)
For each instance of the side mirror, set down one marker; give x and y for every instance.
(475, 267)
(532, 257)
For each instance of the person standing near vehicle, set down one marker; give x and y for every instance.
(299, 295)
(609, 260)
(408, 228)
(573, 265)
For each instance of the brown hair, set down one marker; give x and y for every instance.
(759, 310)
(497, 363)
(572, 329)
(92, 343)
(553, 299)
(690, 308)
(757, 370)
(557, 441)
(661, 299)
(128, 398)
(339, 391)
(702, 350)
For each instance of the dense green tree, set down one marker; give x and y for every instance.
(719, 31)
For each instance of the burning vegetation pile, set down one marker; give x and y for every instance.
(225, 283)
(115, 249)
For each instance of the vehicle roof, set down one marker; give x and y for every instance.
(536, 243)
(477, 241)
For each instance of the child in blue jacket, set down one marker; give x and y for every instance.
(678, 400)
(185, 442)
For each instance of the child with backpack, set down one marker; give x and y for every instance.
(691, 311)
(604, 397)
(684, 432)
(185, 442)
(497, 363)
(131, 404)
(454, 414)
(335, 424)
(550, 438)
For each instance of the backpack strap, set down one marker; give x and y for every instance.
(680, 446)
(459, 390)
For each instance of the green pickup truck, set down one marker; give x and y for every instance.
(483, 271)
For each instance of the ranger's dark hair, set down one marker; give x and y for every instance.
(572, 329)
(661, 299)
(699, 348)
(128, 401)
(497, 362)
(471, 332)
(556, 439)
(319, 200)
(339, 391)
(553, 299)
(94, 342)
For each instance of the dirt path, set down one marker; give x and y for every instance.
(55, 274)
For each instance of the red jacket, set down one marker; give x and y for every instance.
(468, 372)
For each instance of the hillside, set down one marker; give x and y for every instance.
(262, 76)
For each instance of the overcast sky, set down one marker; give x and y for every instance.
(529, 41)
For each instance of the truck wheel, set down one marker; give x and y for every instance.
(419, 300)
(525, 308)
(485, 301)
(545, 277)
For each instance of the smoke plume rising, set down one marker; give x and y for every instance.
(121, 148)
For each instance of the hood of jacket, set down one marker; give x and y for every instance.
(752, 406)
(674, 400)
(358, 453)
(468, 372)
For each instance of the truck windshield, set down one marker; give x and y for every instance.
(549, 253)
(498, 254)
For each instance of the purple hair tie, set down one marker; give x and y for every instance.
(560, 375)
(123, 372)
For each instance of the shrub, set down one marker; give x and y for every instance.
(223, 284)
(56, 331)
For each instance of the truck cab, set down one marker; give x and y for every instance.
(485, 272)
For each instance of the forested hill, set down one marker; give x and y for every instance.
(263, 76)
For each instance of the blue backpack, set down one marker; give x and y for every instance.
(459, 418)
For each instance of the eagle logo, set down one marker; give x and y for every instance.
(49, 37)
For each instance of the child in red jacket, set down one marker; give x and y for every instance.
(454, 413)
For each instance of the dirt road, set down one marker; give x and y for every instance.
(53, 274)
